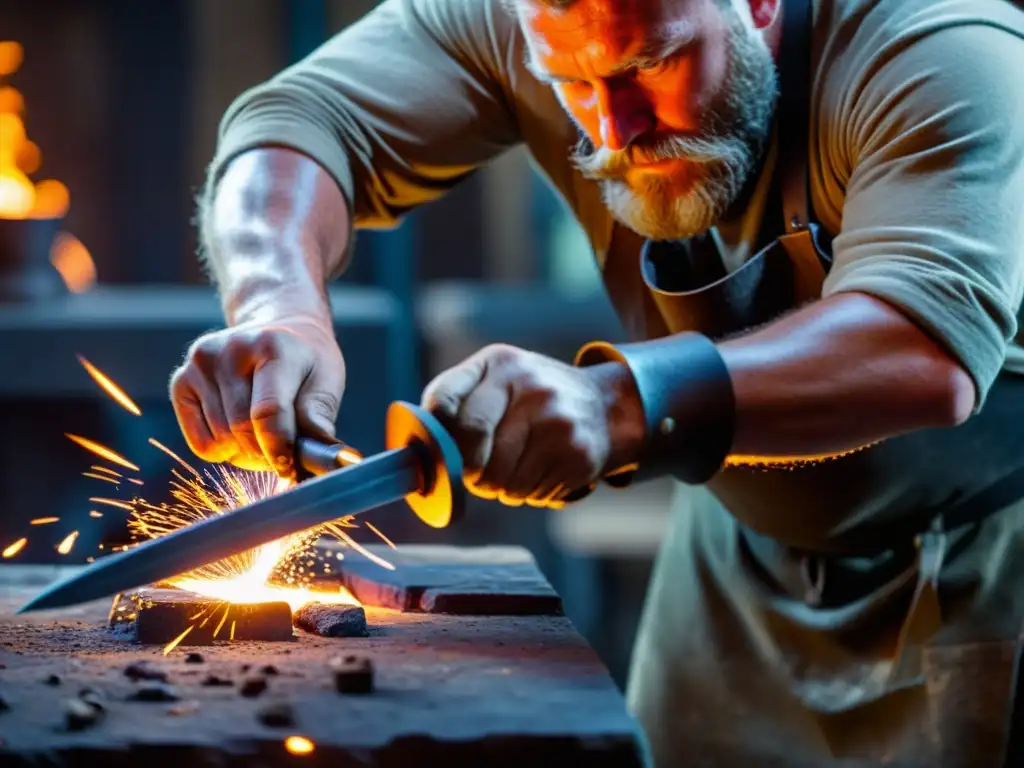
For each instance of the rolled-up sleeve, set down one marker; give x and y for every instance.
(397, 107)
(933, 221)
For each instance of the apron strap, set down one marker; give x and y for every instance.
(794, 114)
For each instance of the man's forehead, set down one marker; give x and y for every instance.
(604, 27)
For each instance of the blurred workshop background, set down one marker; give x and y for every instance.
(109, 111)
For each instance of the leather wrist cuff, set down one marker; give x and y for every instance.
(688, 403)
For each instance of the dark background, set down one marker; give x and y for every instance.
(123, 98)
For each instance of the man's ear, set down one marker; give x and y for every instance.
(764, 12)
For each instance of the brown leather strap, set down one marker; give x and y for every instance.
(794, 113)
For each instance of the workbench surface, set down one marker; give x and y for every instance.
(465, 690)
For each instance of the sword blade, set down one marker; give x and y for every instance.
(375, 481)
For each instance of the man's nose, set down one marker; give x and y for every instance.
(625, 114)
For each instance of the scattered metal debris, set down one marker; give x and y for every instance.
(194, 658)
(269, 670)
(52, 680)
(253, 687)
(93, 697)
(352, 674)
(183, 709)
(152, 692)
(79, 714)
(215, 681)
(143, 670)
(280, 714)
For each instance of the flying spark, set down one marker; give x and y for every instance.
(110, 387)
(383, 538)
(282, 570)
(43, 520)
(69, 541)
(113, 503)
(176, 641)
(102, 451)
(15, 548)
(299, 745)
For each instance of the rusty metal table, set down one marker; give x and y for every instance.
(453, 690)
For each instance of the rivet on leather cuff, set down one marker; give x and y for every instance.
(688, 402)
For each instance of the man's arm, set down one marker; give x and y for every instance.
(921, 301)
(389, 114)
(396, 109)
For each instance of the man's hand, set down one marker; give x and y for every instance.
(243, 393)
(531, 428)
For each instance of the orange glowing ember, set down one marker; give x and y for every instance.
(108, 386)
(102, 451)
(14, 548)
(43, 520)
(299, 745)
(69, 541)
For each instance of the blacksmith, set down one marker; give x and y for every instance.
(810, 217)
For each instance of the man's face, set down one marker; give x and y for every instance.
(673, 100)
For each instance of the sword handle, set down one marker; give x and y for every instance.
(315, 457)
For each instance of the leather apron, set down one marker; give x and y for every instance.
(782, 629)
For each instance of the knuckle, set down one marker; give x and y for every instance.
(475, 426)
(178, 385)
(267, 410)
(268, 344)
(204, 352)
(502, 354)
(234, 348)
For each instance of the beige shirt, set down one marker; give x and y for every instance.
(916, 152)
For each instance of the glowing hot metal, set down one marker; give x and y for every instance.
(422, 466)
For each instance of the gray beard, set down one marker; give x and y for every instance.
(724, 157)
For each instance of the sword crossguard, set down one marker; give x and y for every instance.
(441, 499)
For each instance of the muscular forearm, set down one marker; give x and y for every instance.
(843, 372)
(277, 226)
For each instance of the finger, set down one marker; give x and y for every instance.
(197, 402)
(236, 395)
(275, 390)
(473, 430)
(508, 445)
(537, 463)
(444, 395)
(318, 401)
(551, 500)
(189, 413)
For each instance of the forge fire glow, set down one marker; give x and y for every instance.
(279, 571)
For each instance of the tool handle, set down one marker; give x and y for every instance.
(315, 457)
